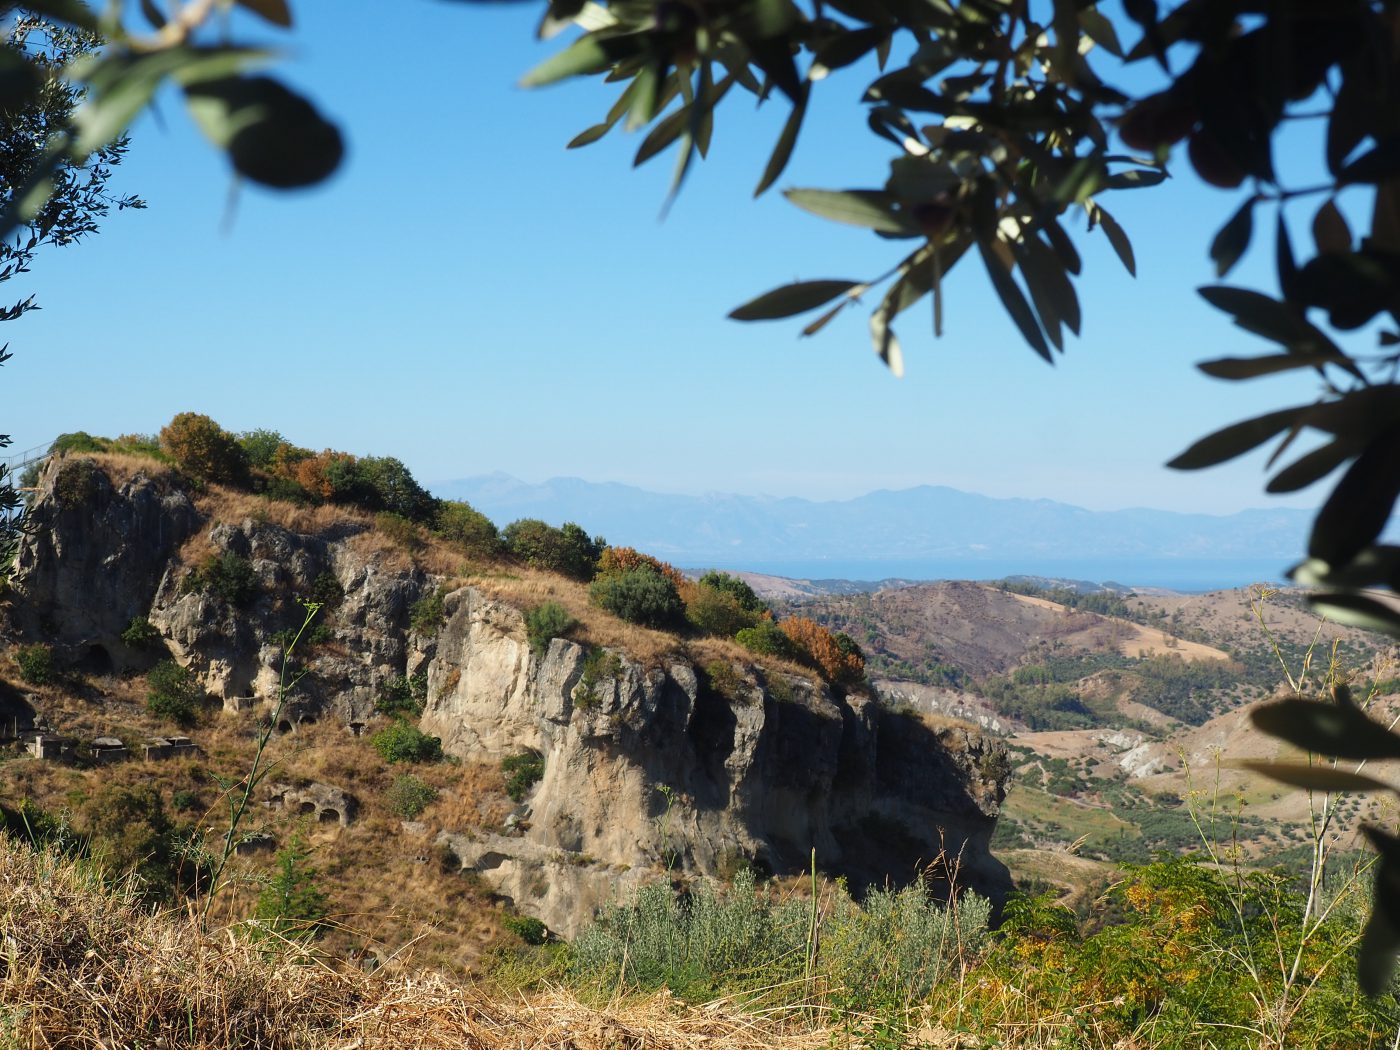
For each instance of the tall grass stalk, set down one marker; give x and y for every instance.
(1279, 1003)
(240, 796)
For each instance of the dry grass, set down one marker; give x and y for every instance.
(84, 968)
(121, 467)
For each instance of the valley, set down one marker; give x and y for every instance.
(1123, 712)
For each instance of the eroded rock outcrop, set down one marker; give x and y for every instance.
(651, 768)
(648, 767)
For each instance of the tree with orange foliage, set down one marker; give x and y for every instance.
(839, 661)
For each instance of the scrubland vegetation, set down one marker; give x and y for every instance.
(1206, 949)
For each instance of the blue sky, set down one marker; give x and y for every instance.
(469, 296)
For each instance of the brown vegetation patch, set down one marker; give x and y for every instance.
(88, 969)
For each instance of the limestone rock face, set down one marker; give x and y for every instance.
(649, 769)
(95, 557)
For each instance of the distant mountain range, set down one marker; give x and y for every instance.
(922, 532)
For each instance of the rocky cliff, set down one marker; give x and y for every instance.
(649, 765)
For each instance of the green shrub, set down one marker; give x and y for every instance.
(767, 639)
(717, 612)
(185, 801)
(77, 483)
(286, 490)
(260, 447)
(712, 940)
(723, 679)
(203, 448)
(428, 612)
(467, 528)
(898, 945)
(641, 595)
(402, 695)
(399, 530)
(545, 622)
(230, 576)
(408, 796)
(36, 664)
(292, 905)
(599, 666)
(403, 742)
(388, 485)
(78, 441)
(566, 550)
(327, 592)
(528, 929)
(736, 588)
(128, 831)
(172, 693)
(140, 633)
(891, 951)
(522, 772)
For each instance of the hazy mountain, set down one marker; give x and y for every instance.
(892, 533)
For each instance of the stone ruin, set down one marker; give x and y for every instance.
(169, 747)
(327, 803)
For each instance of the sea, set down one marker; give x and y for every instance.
(1186, 575)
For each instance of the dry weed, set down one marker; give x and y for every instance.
(85, 968)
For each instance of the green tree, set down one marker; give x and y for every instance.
(566, 550)
(641, 595)
(292, 905)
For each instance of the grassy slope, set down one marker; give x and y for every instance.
(84, 967)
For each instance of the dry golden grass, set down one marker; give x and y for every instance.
(121, 467)
(85, 968)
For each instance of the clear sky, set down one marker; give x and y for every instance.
(471, 297)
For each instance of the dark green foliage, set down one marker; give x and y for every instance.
(39, 827)
(286, 490)
(522, 772)
(428, 612)
(260, 447)
(641, 595)
(545, 622)
(403, 695)
(1105, 603)
(185, 801)
(468, 529)
(326, 592)
(599, 666)
(566, 550)
(173, 694)
(528, 929)
(736, 588)
(390, 486)
(36, 664)
(1181, 688)
(403, 742)
(766, 639)
(292, 905)
(77, 483)
(128, 831)
(228, 576)
(408, 796)
(78, 441)
(140, 633)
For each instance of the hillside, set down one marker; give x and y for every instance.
(447, 769)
